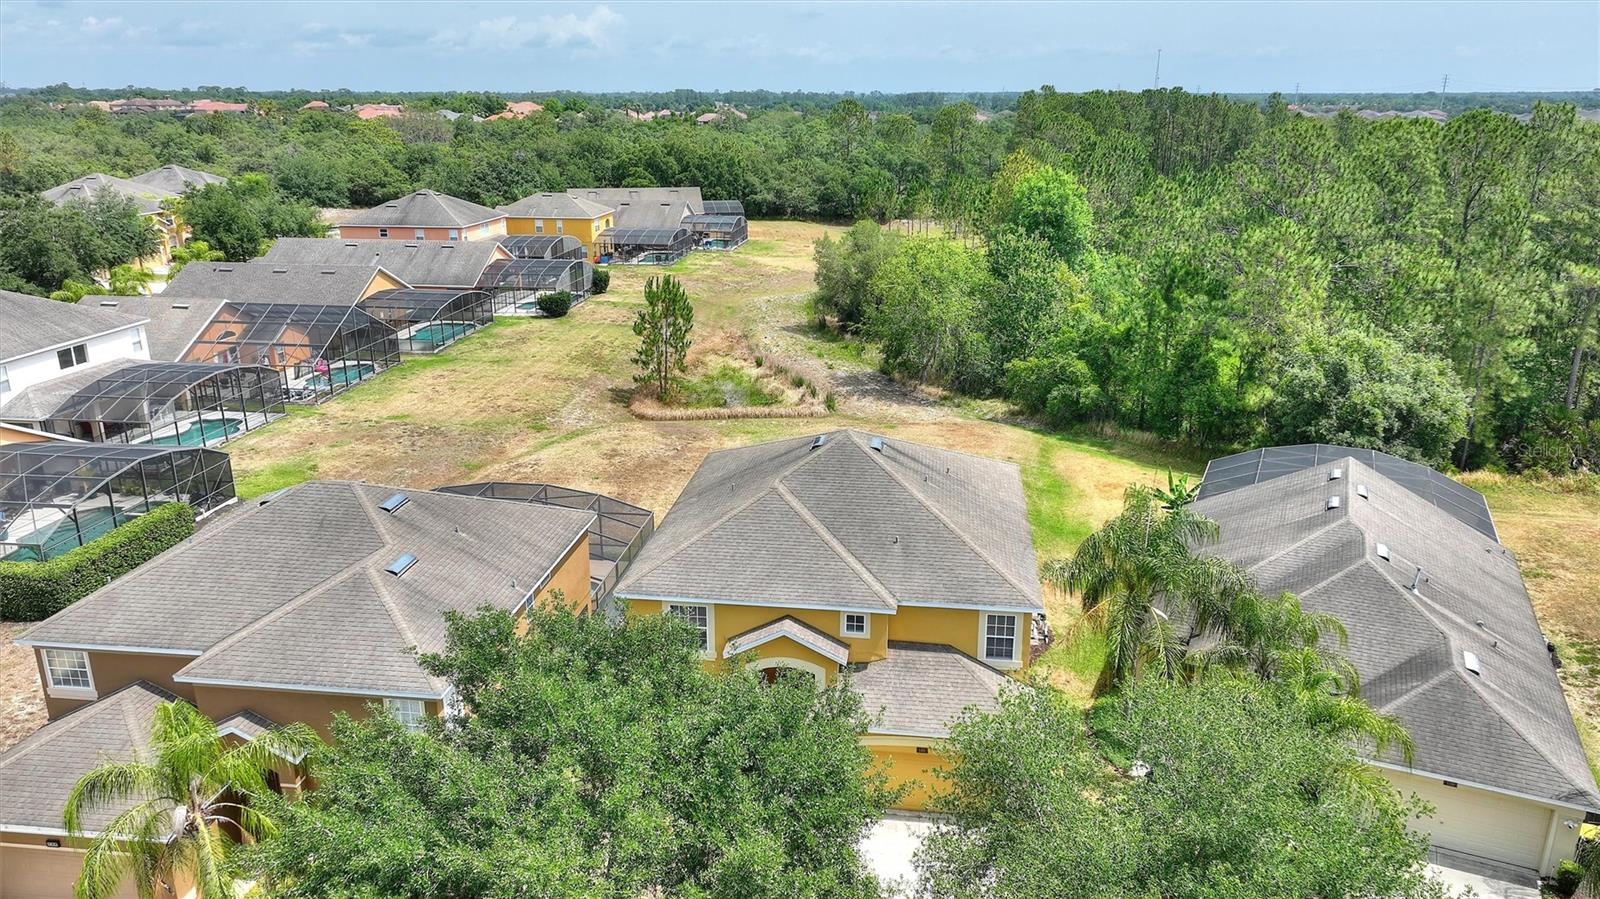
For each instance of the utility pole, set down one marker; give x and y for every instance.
(1158, 68)
(1297, 93)
(1445, 86)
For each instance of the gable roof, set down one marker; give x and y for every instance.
(37, 774)
(272, 282)
(148, 197)
(644, 207)
(841, 524)
(420, 263)
(792, 628)
(177, 179)
(558, 206)
(919, 689)
(172, 321)
(423, 209)
(309, 604)
(30, 324)
(1507, 727)
(38, 402)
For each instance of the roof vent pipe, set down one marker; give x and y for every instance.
(1333, 502)
(1416, 581)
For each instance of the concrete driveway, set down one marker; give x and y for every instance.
(889, 846)
(1488, 880)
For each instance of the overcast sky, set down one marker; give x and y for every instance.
(1242, 47)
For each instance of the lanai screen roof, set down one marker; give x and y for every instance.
(128, 394)
(722, 207)
(714, 222)
(645, 237)
(416, 305)
(1229, 473)
(255, 328)
(530, 274)
(543, 246)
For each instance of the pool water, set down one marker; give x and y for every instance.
(200, 433)
(343, 376)
(441, 333)
(62, 536)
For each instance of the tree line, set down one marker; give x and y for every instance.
(1226, 275)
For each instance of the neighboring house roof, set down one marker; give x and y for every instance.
(1506, 727)
(273, 282)
(420, 263)
(172, 321)
(219, 106)
(920, 689)
(246, 724)
(316, 104)
(37, 774)
(378, 111)
(855, 522)
(644, 207)
(1254, 466)
(39, 402)
(788, 626)
(176, 178)
(423, 209)
(30, 324)
(556, 206)
(147, 197)
(309, 603)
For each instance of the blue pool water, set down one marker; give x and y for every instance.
(343, 376)
(441, 333)
(199, 433)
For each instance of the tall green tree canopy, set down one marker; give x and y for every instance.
(597, 760)
(1243, 798)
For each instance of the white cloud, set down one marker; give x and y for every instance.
(101, 26)
(590, 32)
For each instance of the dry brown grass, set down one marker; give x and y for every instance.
(21, 696)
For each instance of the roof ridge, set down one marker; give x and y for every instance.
(75, 718)
(635, 572)
(832, 542)
(994, 566)
(1432, 612)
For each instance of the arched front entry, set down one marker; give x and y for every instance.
(768, 668)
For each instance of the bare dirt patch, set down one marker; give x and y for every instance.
(21, 696)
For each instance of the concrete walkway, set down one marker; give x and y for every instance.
(889, 847)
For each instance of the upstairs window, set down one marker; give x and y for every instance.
(699, 617)
(73, 355)
(561, 226)
(5, 380)
(138, 340)
(455, 233)
(538, 226)
(999, 637)
(409, 712)
(68, 668)
(383, 232)
(855, 624)
(419, 234)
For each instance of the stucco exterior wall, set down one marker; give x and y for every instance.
(955, 627)
(898, 758)
(482, 231)
(729, 620)
(112, 671)
(287, 706)
(585, 230)
(570, 579)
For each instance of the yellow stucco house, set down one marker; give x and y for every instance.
(559, 213)
(905, 568)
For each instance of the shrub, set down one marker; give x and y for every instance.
(1569, 874)
(555, 305)
(33, 591)
(602, 281)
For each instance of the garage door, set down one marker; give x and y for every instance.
(37, 873)
(1477, 822)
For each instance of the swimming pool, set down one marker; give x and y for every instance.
(433, 336)
(61, 536)
(343, 376)
(200, 433)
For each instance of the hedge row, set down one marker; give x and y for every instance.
(33, 591)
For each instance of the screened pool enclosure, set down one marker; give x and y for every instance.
(544, 246)
(321, 350)
(618, 533)
(169, 403)
(427, 321)
(645, 246)
(57, 496)
(722, 207)
(517, 284)
(718, 232)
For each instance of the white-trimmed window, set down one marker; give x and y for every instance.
(67, 673)
(72, 355)
(409, 712)
(1000, 639)
(538, 226)
(561, 226)
(697, 616)
(455, 233)
(5, 379)
(483, 228)
(383, 232)
(855, 624)
(419, 234)
(138, 340)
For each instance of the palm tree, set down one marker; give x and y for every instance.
(183, 793)
(1276, 640)
(1137, 572)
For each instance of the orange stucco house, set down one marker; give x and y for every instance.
(425, 215)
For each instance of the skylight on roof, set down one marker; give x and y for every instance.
(393, 503)
(876, 443)
(401, 565)
(821, 439)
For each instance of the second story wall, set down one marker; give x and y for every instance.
(37, 368)
(730, 620)
(570, 578)
(964, 629)
(109, 672)
(287, 706)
